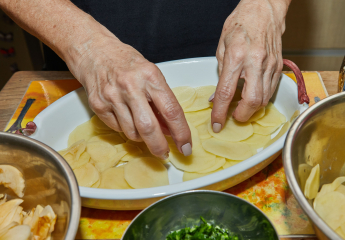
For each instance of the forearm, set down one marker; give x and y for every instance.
(58, 23)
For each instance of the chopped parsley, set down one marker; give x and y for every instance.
(206, 231)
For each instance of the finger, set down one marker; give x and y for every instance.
(225, 90)
(160, 119)
(276, 76)
(148, 127)
(267, 80)
(251, 96)
(110, 120)
(125, 119)
(173, 115)
(220, 55)
(104, 112)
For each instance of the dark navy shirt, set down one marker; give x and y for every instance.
(161, 30)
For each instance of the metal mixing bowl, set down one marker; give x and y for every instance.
(49, 181)
(317, 137)
(184, 210)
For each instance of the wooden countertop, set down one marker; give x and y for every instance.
(13, 91)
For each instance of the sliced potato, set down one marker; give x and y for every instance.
(220, 161)
(201, 101)
(199, 117)
(114, 178)
(99, 125)
(331, 208)
(100, 151)
(258, 129)
(230, 150)
(257, 141)
(146, 173)
(112, 138)
(86, 175)
(203, 131)
(83, 159)
(84, 131)
(185, 95)
(282, 131)
(187, 176)
(313, 183)
(257, 115)
(303, 173)
(233, 131)
(272, 117)
(230, 163)
(12, 178)
(198, 161)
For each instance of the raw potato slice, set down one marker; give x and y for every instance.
(83, 159)
(326, 188)
(294, 116)
(303, 173)
(201, 100)
(21, 232)
(257, 115)
(230, 163)
(340, 189)
(233, 131)
(219, 163)
(87, 175)
(199, 117)
(99, 125)
(258, 129)
(272, 117)
(112, 139)
(331, 208)
(100, 151)
(257, 141)
(84, 131)
(198, 161)
(340, 232)
(203, 131)
(283, 130)
(187, 176)
(130, 151)
(230, 150)
(111, 162)
(313, 183)
(114, 178)
(185, 95)
(146, 173)
(12, 178)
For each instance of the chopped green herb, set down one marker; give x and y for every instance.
(206, 231)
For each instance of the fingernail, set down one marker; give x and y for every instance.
(217, 127)
(165, 155)
(187, 149)
(211, 98)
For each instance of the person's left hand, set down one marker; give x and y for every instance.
(250, 47)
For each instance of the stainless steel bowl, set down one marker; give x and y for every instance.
(184, 210)
(317, 137)
(48, 179)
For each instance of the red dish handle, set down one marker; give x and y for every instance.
(302, 92)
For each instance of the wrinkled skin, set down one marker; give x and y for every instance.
(250, 47)
(131, 95)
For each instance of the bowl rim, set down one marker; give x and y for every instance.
(157, 192)
(71, 181)
(198, 192)
(292, 180)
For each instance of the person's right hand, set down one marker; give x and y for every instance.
(130, 94)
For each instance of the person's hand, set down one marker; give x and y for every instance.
(130, 95)
(250, 47)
